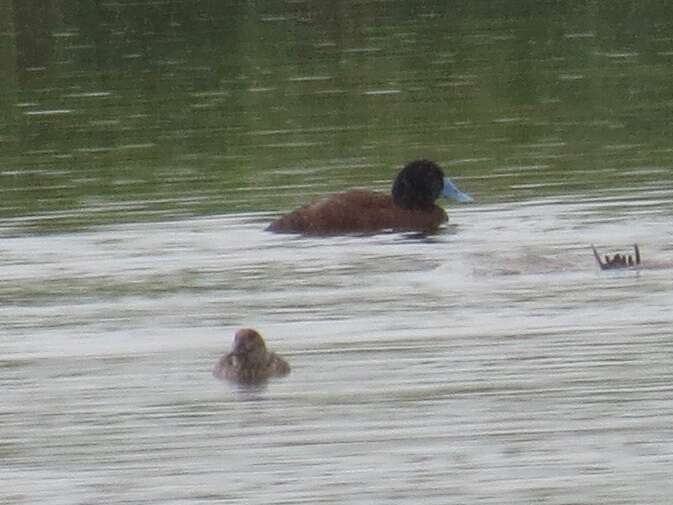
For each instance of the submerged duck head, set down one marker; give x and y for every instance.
(420, 183)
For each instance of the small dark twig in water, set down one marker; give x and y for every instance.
(618, 260)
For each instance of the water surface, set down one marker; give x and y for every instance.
(145, 146)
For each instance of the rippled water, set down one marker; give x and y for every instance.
(491, 363)
(144, 147)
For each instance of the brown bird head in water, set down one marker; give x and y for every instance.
(249, 346)
(249, 361)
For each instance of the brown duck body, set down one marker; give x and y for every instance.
(249, 362)
(233, 368)
(357, 211)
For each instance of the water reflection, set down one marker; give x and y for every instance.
(128, 101)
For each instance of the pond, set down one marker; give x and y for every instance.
(146, 145)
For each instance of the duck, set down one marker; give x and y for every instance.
(410, 206)
(249, 361)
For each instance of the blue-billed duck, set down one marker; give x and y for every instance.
(410, 206)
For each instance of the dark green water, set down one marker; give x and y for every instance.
(145, 145)
(117, 111)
